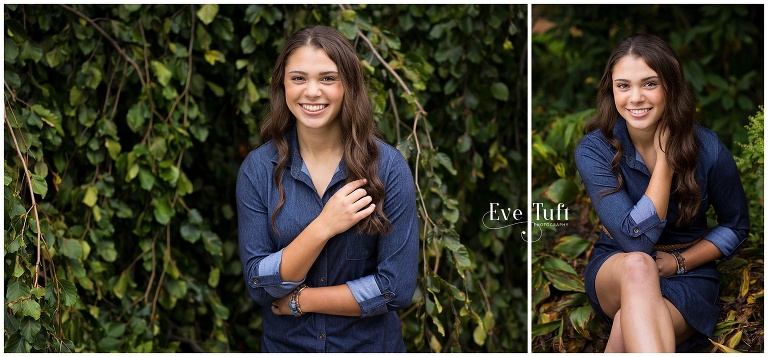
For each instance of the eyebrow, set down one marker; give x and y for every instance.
(321, 73)
(642, 80)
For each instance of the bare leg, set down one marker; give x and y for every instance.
(616, 339)
(630, 282)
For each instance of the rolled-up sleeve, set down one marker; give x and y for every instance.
(259, 256)
(634, 225)
(391, 287)
(726, 194)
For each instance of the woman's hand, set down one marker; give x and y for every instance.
(347, 207)
(666, 263)
(280, 306)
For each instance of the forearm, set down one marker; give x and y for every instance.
(701, 253)
(330, 300)
(660, 186)
(300, 254)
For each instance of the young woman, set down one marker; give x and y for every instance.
(328, 231)
(651, 174)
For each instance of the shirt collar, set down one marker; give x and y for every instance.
(631, 156)
(296, 163)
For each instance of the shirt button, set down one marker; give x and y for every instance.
(255, 281)
(322, 278)
(637, 230)
(386, 296)
(322, 336)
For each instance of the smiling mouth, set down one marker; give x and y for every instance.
(314, 107)
(639, 111)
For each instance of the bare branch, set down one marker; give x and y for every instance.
(110, 39)
(31, 191)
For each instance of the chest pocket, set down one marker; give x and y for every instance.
(359, 246)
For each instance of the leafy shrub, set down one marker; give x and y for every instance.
(126, 125)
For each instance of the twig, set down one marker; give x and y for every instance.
(394, 110)
(185, 93)
(110, 39)
(119, 90)
(31, 191)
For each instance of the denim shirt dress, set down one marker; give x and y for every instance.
(380, 270)
(630, 218)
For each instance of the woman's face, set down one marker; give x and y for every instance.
(638, 94)
(313, 89)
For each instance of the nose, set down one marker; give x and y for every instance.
(312, 90)
(636, 95)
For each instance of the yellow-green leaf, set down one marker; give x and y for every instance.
(207, 13)
(161, 72)
(213, 56)
(91, 194)
(113, 147)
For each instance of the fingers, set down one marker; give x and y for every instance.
(352, 186)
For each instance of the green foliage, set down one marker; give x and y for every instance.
(721, 49)
(720, 46)
(126, 125)
(563, 320)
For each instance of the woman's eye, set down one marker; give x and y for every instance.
(297, 78)
(328, 79)
(622, 86)
(651, 84)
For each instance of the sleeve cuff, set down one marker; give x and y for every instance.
(368, 295)
(724, 239)
(645, 220)
(269, 279)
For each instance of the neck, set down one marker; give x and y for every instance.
(319, 143)
(642, 139)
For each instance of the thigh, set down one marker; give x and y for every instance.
(683, 331)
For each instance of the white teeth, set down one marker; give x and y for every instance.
(313, 108)
(638, 111)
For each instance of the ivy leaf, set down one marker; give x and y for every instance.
(114, 329)
(190, 232)
(161, 72)
(137, 114)
(16, 291)
(207, 13)
(213, 56)
(91, 195)
(213, 277)
(445, 161)
(212, 243)
(500, 91)
(121, 285)
(16, 344)
(248, 45)
(113, 147)
(29, 328)
(163, 211)
(71, 248)
(147, 179)
(69, 293)
(30, 308)
(39, 186)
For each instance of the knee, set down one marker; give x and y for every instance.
(639, 268)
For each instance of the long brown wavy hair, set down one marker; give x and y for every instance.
(358, 132)
(679, 117)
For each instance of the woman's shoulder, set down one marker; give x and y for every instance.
(594, 140)
(261, 155)
(710, 145)
(388, 153)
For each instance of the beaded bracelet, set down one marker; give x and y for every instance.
(293, 304)
(680, 263)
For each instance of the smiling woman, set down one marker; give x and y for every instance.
(651, 174)
(326, 211)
